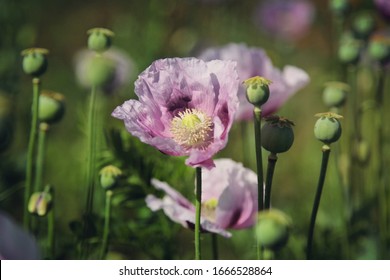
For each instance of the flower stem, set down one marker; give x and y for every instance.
(106, 230)
(43, 128)
(321, 180)
(214, 245)
(259, 162)
(50, 229)
(382, 190)
(30, 153)
(272, 158)
(259, 159)
(90, 172)
(198, 212)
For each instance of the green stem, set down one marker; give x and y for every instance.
(106, 230)
(272, 158)
(30, 153)
(43, 128)
(214, 245)
(198, 203)
(259, 162)
(90, 172)
(381, 182)
(321, 180)
(259, 158)
(50, 229)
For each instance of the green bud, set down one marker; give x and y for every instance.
(99, 39)
(335, 94)
(109, 176)
(273, 229)
(257, 90)
(277, 135)
(339, 7)
(363, 25)
(35, 61)
(379, 48)
(100, 70)
(327, 128)
(349, 48)
(40, 203)
(51, 107)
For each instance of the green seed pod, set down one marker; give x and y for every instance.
(100, 71)
(277, 135)
(109, 176)
(35, 61)
(99, 39)
(273, 229)
(363, 25)
(257, 90)
(40, 203)
(335, 94)
(339, 7)
(327, 128)
(379, 48)
(51, 107)
(349, 48)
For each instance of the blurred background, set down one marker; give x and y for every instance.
(146, 31)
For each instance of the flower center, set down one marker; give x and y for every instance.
(191, 129)
(208, 209)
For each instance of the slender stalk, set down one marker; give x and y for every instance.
(198, 204)
(36, 82)
(43, 128)
(259, 158)
(51, 230)
(259, 163)
(106, 230)
(382, 190)
(321, 180)
(272, 158)
(90, 172)
(214, 245)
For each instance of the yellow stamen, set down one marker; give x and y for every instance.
(191, 129)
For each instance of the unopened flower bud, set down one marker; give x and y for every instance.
(51, 107)
(363, 25)
(277, 135)
(335, 94)
(100, 71)
(379, 48)
(40, 203)
(35, 61)
(99, 39)
(349, 49)
(257, 90)
(109, 176)
(327, 129)
(273, 229)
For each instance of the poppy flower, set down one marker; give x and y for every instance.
(186, 107)
(229, 199)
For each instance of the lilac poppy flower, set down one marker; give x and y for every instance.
(229, 199)
(255, 62)
(15, 243)
(289, 20)
(383, 6)
(124, 68)
(186, 107)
